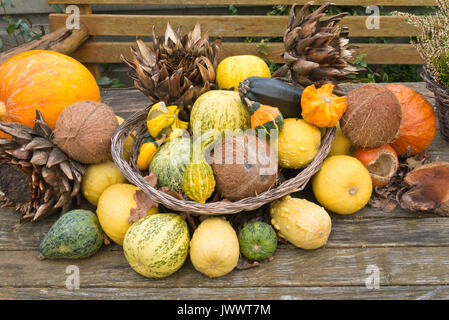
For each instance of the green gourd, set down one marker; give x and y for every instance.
(272, 92)
(198, 181)
(76, 235)
(257, 240)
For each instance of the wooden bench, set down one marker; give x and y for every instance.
(233, 26)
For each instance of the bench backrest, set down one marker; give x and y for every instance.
(235, 26)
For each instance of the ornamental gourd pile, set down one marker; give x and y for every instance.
(230, 133)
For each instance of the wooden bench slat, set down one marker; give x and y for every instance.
(224, 26)
(252, 2)
(291, 268)
(248, 293)
(103, 52)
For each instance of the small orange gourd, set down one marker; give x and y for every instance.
(418, 123)
(43, 80)
(320, 107)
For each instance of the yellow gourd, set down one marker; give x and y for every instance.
(320, 107)
(301, 222)
(147, 152)
(298, 143)
(343, 184)
(214, 248)
(163, 120)
(233, 70)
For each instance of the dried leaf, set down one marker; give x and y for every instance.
(244, 263)
(174, 194)
(144, 204)
(151, 179)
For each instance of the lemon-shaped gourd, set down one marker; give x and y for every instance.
(114, 208)
(99, 177)
(343, 184)
(298, 143)
(214, 248)
(233, 70)
(301, 222)
(158, 245)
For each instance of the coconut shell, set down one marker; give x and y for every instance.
(373, 116)
(84, 130)
(244, 166)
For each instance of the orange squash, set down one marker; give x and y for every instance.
(418, 124)
(43, 80)
(320, 107)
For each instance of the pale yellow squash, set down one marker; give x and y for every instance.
(214, 248)
(233, 70)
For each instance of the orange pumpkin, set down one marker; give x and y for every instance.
(43, 80)
(418, 124)
(320, 107)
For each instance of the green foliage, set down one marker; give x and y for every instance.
(444, 68)
(233, 10)
(57, 8)
(105, 81)
(278, 10)
(22, 28)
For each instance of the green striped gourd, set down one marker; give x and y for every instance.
(76, 235)
(198, 181)
(257, 240)
(158, 245)
(265, 118)
(170, 161)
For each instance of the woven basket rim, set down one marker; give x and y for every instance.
(137, 123)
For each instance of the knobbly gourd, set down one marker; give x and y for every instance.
(298, 143)
(158, 245)
(271, 92)
(169, 163)
(44, 80)
(257, 240)
(320, 107)
(99, 177)
(232, 70)
(301, 222)
(214, 248)
(220, 110)
(266, 119)
(343, 184)
(164, 121)
(76, 235)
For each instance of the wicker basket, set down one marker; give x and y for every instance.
(137, 123)
(441, 102)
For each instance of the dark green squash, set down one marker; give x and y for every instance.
(77, 234)
(257, 241)
(265, 117)
(272, 92)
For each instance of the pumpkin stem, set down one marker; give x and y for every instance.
(3, 113)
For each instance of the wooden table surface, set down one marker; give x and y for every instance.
(410, 251)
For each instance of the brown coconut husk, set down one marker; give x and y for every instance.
(373, 116)
(84, 130)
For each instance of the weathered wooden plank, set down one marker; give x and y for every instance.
(346, 232)
(249, 293)
(291, 268)
(253, 2)
(103, 52)
(225, 26)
